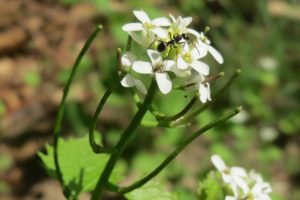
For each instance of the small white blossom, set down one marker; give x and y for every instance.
(259, 190)
(245, 186)
(190, 58)
(128, 80)
(234, 176)
(204, 45)
(149, 28)
(203, 89)
(158, 67)
(179, 25)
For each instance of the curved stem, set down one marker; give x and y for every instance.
(123, 141)
(97, 148)
(59, 117)
(181, 146)
(197, 111)
(182, 112)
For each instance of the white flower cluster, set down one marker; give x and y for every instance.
(172, 48)
(245, 186)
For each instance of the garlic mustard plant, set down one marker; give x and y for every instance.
(171, 56)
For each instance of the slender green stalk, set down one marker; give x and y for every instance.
(58, 122)
(197, 111)
(97, 148)
(123, 141)
(182, 112)
(181, 146)
(164, 120)
(129, 42)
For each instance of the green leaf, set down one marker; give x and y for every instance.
(210, 188)
(153, 190)
(80, 167)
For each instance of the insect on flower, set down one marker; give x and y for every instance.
(176, 39)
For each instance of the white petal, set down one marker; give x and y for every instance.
(144, 41)
(215, 54)
(238, 171)
(127, 59)
(204, 93)
(218, 163)
(161, 21)
(172, 17)
(187, 21)
(202, 47)
(164, 83)
(227, 178)
(142, 16)
(160, 32)
(181, 64)
(264, 197)
(128, 81)
(155, 57)
(208, 91)
(168, 65)
(142, 67)
(140, 86)
(198, 52)
(193, 32)
(201, 67)
(241, 183)
(133, 27)
(231, 198)
(267, 187)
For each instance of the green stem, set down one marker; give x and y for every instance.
(97, 148)
(182, 112)
(58, 121)
(197, 111)
(123, 141)
(181, 146)
(129, 42)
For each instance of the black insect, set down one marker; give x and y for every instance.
(176, 39)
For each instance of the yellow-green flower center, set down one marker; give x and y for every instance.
(148, 25)
(187, 57)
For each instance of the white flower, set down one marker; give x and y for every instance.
(204, 45)
(128, 80)
(203, 88)
(234, 176)
(244, 186)
(179, 24)
(158, 67)
(190, 58)
(259, 190)
(146, 25)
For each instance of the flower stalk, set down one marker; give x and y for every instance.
(179, 148)
(95, 147)
(126, 136)
(61, 109)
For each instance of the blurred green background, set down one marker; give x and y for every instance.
(39, 41)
